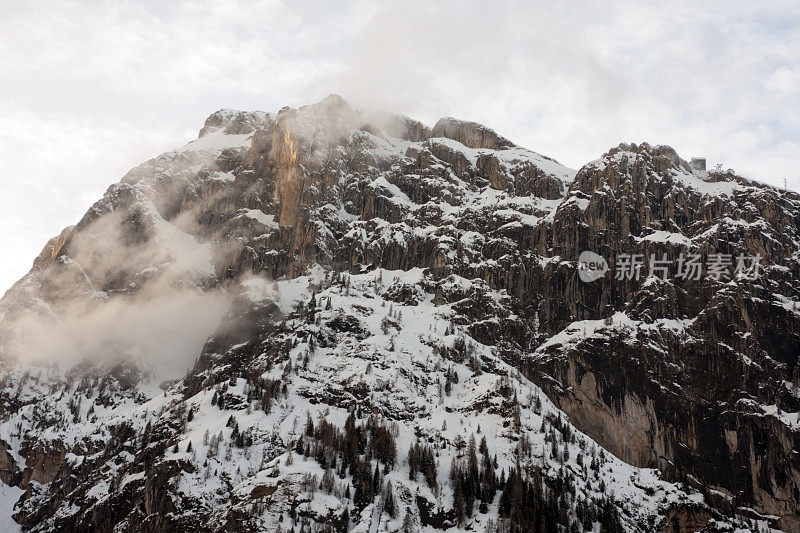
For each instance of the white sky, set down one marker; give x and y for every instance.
(88, 90)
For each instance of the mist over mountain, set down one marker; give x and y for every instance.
(331, 318)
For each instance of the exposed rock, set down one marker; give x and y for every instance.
(470, 134)
(372, 262)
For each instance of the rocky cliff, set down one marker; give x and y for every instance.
(334, 319)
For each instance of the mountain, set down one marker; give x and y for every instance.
(336, 319)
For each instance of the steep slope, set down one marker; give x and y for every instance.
(703, 372)
(397, 338)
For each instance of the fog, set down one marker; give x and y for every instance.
(162, 333)
(131, 286)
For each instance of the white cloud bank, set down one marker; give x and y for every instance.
(89, 90)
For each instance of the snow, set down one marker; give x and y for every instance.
(387, 149)
(287, 293)
(227, 177)
(666, 237)
(187, 253)
(401, 373)
(393, 367)
(792, 420)
(698, 181)
(550, 166)
(375, 359)
(510, 157)
(793, 306)
(260, 216)
(217, 141)
(705, 187)
(580, 330)
(582, 203)
(8, 497)
(397, 195)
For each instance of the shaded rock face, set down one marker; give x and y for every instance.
(686, 519)
(696, 378)
(8, 466)
(43, 463)
(690, 401)
(470, 134)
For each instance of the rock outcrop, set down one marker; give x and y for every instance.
(393, 279)
(470, 134)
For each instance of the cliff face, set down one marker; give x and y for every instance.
(703, 384)
(389, 278)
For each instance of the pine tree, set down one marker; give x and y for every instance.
(408, 522)
(328, 481)
(389, 505)
(458, 495)
(376, 479)
(413, 461)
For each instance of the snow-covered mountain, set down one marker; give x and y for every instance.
(335, 319)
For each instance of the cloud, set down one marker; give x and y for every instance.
(162, 333)
(52, 169)
(571, 80)
(130, 289)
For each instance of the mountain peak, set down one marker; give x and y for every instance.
(294, 322)
(470, 134)
(232, 121)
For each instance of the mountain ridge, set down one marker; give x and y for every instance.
(309, 231)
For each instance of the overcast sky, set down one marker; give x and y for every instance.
(88, 90)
